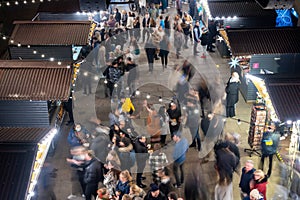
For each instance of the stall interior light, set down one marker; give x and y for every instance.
(234, 17)
(43, 147)
(148, 96)
(289, 122)
(137, 92)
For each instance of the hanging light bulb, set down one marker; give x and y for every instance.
(68, 67)
(28, 46)
(19, 44)
(51, 59)
(33, 1)
(148, 96)
(34, 52)
(7, 3)
(41, 0)
(59, 63)
(12, 41)
(25, 2)
(183, 108)
(105, 81)
(137, 92)
(4, 37)
(115, 85)
(127, 88)
(17, 3)
(160, 99)
(239, 122)
(43, 55)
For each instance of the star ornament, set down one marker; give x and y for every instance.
(234, 62)
(220, 39)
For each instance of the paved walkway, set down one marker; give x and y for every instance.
(215, 71)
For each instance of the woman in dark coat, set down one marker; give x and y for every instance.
(164, 46)
(150, 52)
(232, 91)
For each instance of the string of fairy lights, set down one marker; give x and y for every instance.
(17, 2)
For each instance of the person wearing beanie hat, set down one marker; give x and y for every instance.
(154, 193)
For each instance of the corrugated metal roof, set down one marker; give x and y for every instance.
(22, 135)
(61, 6)
(285, 96)
(34, 80)
(244, 8)
(264, 41)
(15, 170)
(51, 32)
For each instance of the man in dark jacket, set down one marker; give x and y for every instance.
(93, 174)
(146, 25)
(247, 176)
(154, 193)
(141, 156)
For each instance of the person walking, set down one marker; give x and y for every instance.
(164, 124)
(164, 46)
(141, 155)
(175, 118)
(157, 161)
(246, 177)
(92, 176)
(179, 156)
(150, 53)
(232, 91)
(146, 25)
(197, 36)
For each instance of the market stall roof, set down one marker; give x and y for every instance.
(61, 6)
(284, 93)
(244, 42)
(51, 32)
(17, 160)
(247, 8)
(34, 80)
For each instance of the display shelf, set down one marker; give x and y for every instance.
(257, 125)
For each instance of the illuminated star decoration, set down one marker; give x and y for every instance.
(220, 39)
(234, 62)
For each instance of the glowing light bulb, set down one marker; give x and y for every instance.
(17, 3)
(43, 55)
(137, 92)
(34, 52)
(4, 38)
(51, 59)
(148, 96)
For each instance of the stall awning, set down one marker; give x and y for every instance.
(231, 8)
(285, 96)
(18, 149)
(51, 32)
(35, 80)
(244, 42)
